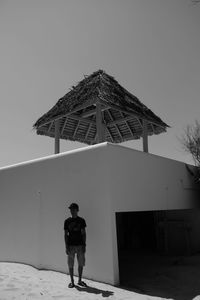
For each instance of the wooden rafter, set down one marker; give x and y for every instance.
(145, 136)
(88, 130)
(110, 115)
(105, 127)
(126, 122)
(76, 129)
(130, 129)
(63, 128)
(119, 121)
(99, 124)
(50, 126)
(86, 104)
(57, 136)
(140, 123)
(92, 112)
(152, 127)
(131, 113)
(75, 117)
(110, 134)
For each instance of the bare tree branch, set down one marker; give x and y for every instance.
(190, 141)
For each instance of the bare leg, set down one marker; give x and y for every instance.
(71, 272)
(80, 272)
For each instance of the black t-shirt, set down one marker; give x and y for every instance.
(73, 226)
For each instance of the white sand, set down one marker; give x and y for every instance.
(23, 282)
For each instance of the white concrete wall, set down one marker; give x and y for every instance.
(103, 179)
(148, 182)
(141, 181)
(34, 200)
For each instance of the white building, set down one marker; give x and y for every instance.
(105, 180)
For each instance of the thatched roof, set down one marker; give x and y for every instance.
(122, 112)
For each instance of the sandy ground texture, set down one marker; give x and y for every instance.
(24, 282)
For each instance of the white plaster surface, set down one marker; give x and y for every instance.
(102, 179)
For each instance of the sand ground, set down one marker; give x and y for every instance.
(24, 282)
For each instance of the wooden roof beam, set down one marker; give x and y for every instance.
(124, 119)
(75, 117)
(145, 136)
(131, 131)
(50, 126)
(152, 127)
(63, 128)
(126, 122)
(85, 105)
(106, 128)
(115, 125)
(110, 134)
(76, 129)
(57, 137)
(140, 123)
(99, 124)
(92, 112)
(88, 130)
(133, 114)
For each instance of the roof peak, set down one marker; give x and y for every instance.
(100, 71)
(96, 73)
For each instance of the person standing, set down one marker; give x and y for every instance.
(75, 242)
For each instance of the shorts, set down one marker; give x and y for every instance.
(80, 256)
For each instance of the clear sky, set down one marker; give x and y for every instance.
(151, 47)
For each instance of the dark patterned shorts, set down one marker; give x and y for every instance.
(78, 250)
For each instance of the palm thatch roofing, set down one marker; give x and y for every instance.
(122, 113)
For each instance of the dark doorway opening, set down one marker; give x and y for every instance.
(155, 250)
(135, 231)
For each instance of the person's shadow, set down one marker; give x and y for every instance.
(93, 290)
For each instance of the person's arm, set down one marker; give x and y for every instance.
(66, 242)
(83, 232)
(66, 237)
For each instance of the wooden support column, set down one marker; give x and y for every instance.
(57, 136)
(99, 124)
(145, 136)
